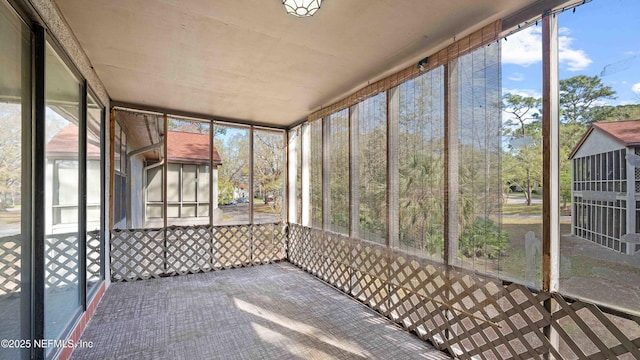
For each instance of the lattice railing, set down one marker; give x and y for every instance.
(267, 243)
(10, 264)
(61, 264)
(137, 254)
(93, 256)
(177, 250)
(61, 261)
(188, 249)
(232, 246)
(469, 315)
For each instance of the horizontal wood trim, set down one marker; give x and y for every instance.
(459, 48)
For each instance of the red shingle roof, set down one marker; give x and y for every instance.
(181, 146)
(626, 132)
(190, 147)
(65, 143)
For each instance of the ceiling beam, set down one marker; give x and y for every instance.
(188, 114)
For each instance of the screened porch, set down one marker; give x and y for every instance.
(435, 180)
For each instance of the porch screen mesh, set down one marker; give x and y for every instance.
(339, 171)
(295, 175)
(371, 201)
(475, 84)
(421, 163)
(315, 169)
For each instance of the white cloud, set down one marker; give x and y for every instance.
(524, 48)
(576, 60)
(516, 77)
(636, 88)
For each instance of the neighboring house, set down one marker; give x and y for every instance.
(188, 179)
(139, 159)
(606, 186)
(240, 191)
(62, 179)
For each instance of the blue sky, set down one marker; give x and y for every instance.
(601, 38)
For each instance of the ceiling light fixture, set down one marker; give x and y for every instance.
(301, 8)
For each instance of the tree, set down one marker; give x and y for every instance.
(570, 134)
(526, 150)
(234, 152)
(268, 167)
(421, 165)
(339, 171)
(619, 113)
(422, 201)
(10, 154)
(579, 96)
(373, 180)
(193, 126)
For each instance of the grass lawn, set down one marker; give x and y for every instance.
(521, 195)
(524, 209)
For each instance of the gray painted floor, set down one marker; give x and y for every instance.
(264, 312)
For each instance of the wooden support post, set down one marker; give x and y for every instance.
(550, 145)
(551, 166)
(393, 172)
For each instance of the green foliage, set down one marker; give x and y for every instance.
(339, 171)
(570, 134)
(483, 238)
(373, 180)
(522, 166)
(578, 96)
(522, 109)
(225, 191)
(434, 239)
(422, 201)
(234, 152)
(618, 113)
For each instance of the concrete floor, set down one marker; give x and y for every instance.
(264, 312)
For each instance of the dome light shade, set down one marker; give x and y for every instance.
(301, 8)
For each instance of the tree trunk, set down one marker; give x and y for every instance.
(528, 188)
(419, 237)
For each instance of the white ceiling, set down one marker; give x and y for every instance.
(250, 61)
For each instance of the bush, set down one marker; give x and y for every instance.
(483, 238)
(434, 239)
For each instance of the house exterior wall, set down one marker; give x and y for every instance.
(187, 194)
(596, 143)
(603, 192)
